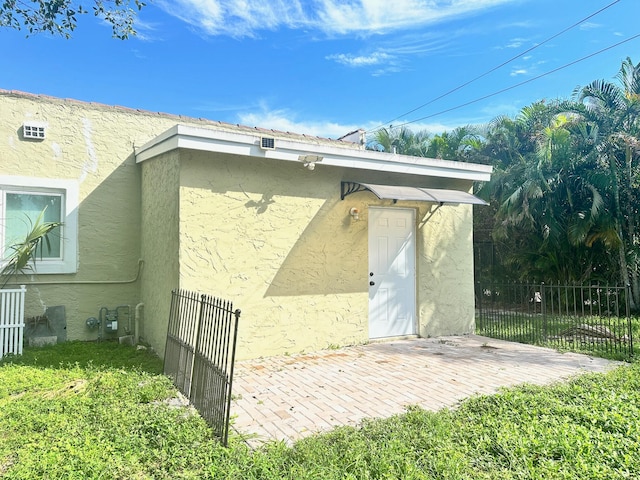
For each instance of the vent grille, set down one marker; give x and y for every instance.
(35, 131)
(267, 143)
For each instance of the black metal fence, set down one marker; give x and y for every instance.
(591, 318)
(200, 352)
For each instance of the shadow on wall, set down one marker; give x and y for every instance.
(108, 251)
(329, 257)
(269, 228)
(273, 229)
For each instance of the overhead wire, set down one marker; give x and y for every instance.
(520, 54)
(519, 84)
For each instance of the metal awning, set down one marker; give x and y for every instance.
(395, 193)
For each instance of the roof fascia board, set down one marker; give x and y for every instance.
(248, 144)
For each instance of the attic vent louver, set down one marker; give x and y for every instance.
(33, 130)
(267, 143)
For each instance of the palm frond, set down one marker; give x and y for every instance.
(22, 255)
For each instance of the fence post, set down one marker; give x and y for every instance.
(236, 313)
(629, 323)
(543, 310)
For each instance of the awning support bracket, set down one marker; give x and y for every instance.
(347, 188)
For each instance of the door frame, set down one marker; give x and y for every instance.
(414, 273)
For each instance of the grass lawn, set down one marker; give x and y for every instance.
(98, 411)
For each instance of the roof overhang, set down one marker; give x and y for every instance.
(292, 149)
(395, 193)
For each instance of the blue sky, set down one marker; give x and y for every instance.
(327, 67)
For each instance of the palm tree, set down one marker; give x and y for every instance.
(548, 204)
(401, 140)
(611, 114)
(459, 144)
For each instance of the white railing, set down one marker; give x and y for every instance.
(11, 320)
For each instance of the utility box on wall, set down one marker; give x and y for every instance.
(48, 328)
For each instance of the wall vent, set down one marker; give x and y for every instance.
(33, 130)
(267, 143)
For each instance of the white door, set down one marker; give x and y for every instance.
(392, 258)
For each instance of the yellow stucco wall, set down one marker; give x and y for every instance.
(445, 270)
(271, 236)
(275, 239)
(160, 244)
(92, 145)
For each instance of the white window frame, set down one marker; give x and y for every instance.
(69, 190)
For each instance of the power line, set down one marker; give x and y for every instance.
(497, 67)
(519, 84)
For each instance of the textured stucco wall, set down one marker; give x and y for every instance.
(275, 239)
(94, 146)
(445, 270)
(160, 244)
(271, 236)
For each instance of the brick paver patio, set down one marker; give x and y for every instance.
(288, 397)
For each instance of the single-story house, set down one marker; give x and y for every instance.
(319, 242)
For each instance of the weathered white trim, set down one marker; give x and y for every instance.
(289, 149)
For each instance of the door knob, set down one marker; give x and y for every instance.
(372, 283)
(371, 274)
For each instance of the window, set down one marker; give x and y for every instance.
(21, 201)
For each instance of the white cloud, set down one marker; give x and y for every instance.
(146, 31)
(434, 128)
(516, 43)
(376, 58)
(589, 26)
(286, 121)
(237, 18)
(519, 71)
(391, 52)
(246, 18)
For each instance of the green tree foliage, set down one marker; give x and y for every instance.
(610, 113)
(402, 141)
(565, 193)
(59, 17)
(459, 144)
(566, 185)
(545, 200)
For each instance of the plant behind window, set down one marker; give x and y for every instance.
(22, 255)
